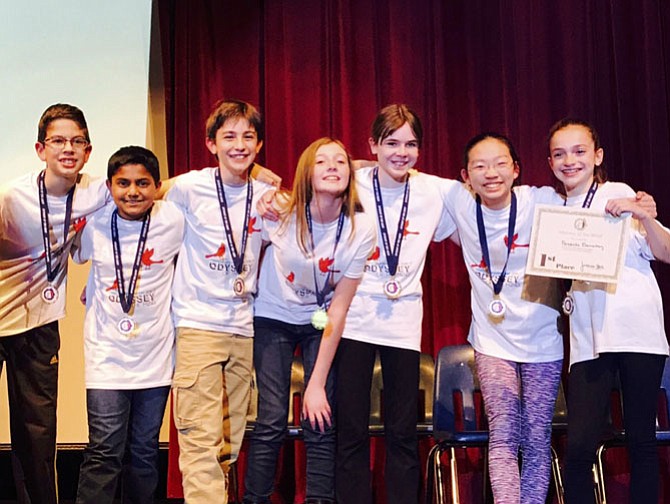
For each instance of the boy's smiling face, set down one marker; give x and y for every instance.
(134, 190)
(67, 161)
(235, 145)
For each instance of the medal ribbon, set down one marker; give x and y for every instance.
(392, 256)
(238, 259)
(126, 300)
(44, 217)
(588, 199)
(498, 285)
(321, 293)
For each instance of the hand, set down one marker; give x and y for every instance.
(265, 206)
(315, 408)
(648, 202)
(263, 174)
(642, 206)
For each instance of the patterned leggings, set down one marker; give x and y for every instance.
(519, 401)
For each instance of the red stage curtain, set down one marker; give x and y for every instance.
(325, 67)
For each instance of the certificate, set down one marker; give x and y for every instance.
(577, 243)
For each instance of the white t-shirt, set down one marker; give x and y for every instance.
(622, 317)
(529, 330)
(203, 296)
(23, 271)
(373, 317)
(286, 289)
(144, 360)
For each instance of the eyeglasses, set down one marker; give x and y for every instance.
(59, 142)
(481, 167)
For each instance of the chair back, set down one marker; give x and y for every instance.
(376, 391)
(560, 419)
(454, 373)
(296, 391)
(426, 386)
(425, 412)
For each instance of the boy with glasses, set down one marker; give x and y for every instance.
(40, 214)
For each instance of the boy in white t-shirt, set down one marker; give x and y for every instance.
(40, 214)
(215, 280)
(128, 331)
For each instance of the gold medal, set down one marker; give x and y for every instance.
(239, 287)
(568, 304)
(126, 326)
(319, 319)
(392, 289)
(497, 308)
(50, 294)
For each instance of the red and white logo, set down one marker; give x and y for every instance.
(219, 253)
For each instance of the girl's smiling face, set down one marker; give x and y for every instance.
(396, 154)
(491, 172)
(573, 158)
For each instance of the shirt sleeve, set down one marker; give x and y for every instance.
(176, 194)
(366, 229)
(82, 247)
(639, 237)
(448, 189)
(547, 195)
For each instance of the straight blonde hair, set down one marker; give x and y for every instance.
(302, 193)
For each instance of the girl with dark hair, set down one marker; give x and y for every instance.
(515, 320)
(613, 328)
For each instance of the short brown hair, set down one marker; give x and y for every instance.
(233, 109)
(61, 111)
(391, 118)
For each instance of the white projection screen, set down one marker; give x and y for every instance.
(95, 55)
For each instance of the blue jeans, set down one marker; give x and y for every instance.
(123, 428)
(274, 345)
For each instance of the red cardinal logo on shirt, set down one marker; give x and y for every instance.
(219, 253)
(79, 224)
(406, 231)
(514, 243)
(290, 277)
(375, 254)
(325, 263)
(115, 286)
(147, 258)
(482, 264)
(250, 228)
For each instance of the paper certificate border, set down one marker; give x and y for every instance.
(541, 230)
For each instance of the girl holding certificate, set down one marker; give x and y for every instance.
(515, 319)
(308, 278)
(613, 328)
(385, 315)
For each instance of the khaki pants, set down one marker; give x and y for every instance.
(211, 385)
